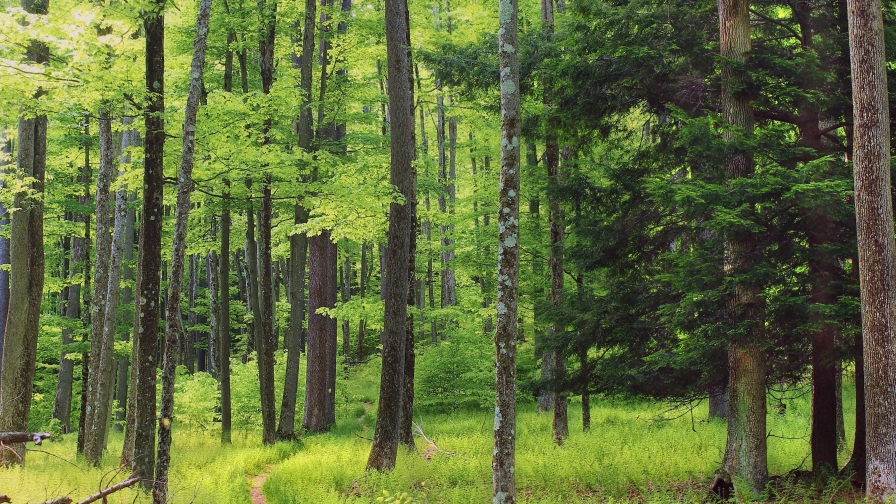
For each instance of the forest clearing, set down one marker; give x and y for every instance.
(447, 251)
(634, 452)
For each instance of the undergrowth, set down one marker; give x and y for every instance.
(635, 451)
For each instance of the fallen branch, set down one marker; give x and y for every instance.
(418, 431)
(112, 489)
(23, 437)
(97, 496)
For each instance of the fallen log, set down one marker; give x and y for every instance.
(5, 498)
(23, 437)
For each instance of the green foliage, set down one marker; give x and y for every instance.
(456, 373)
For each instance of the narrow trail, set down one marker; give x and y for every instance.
(257, 482)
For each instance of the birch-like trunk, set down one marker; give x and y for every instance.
(173, 320)
(504, 453)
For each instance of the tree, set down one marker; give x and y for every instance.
(746, 447)
(139, 446)
(173, 319)
(385, 440)
(874, 221)
(503, 481)
(26, 249)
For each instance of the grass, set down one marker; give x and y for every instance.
(636, 451)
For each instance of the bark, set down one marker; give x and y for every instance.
(385, 441)
(189, 354)
(266, 341)
(149, 261)
(224, 318)
(298, 244)
(106, 296)
(503, 458)
(874, 221)
(746, 447)
(214, 310)
(319, 392)
(556, 362)
(173, 320)
(26, 269)
(406, 432)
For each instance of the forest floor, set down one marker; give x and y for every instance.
(635, 452)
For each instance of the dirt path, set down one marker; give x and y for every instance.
(257, 482)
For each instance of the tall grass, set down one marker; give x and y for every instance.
(636, 451)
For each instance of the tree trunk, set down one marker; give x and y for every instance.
(173, 319)
(298, 244)
(321, 334)
(224, 318)
(251, 273)
(26, 269)
(718, 402)
(504, 453)
(746, 447)
(149, 260)
(100, 346)
(127, 299)
(346, 296)
(874, 220)
(266, 341)
(385, 441)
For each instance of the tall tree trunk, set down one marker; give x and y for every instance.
(746, 448)
(385, 441)
(556, 362)
(99, 345)
(149, 260)
(874, 220)
(173, 319)
(26, 268)
(298, 244)
(504, 453)
(266, 339)
(224, 318)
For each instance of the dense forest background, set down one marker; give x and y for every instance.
(205, 219)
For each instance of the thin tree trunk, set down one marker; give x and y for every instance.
(385, 441)
(173, 320)
(874, 220)
(224, 318)
(266, 341)
(298, 244)
(101, 346)
(504, 453)
(127, 299)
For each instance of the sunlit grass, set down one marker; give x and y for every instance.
(636, 451)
